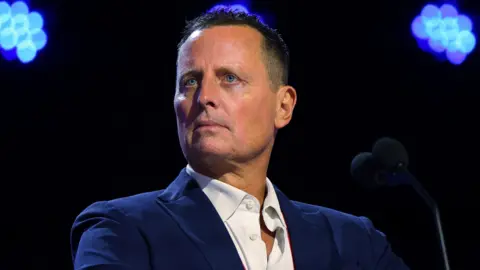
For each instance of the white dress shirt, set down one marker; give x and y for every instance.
(240, 213)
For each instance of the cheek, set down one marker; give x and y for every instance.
(183, 110)
(255, 122)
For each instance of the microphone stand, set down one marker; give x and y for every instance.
(403, 177)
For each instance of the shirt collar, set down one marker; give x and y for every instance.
(226, 198)
(271, 202)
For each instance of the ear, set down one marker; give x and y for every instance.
(286, 101)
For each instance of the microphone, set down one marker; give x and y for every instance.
(364, 170)
(387, 165)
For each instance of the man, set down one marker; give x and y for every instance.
(222, 212)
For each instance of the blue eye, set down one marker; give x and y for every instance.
(190, 82)
(230, 78)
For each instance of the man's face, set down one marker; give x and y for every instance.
(224, 103)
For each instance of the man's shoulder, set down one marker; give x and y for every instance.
(355, 237)
(136, 201)
(346, 229)
(133, 206)
(319, 214)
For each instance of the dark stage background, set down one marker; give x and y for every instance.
(92, 119)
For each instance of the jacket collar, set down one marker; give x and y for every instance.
(310, 235)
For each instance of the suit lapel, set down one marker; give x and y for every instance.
(196, 215)
(310, 235)
(311, 241)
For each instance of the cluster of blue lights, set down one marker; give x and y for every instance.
(235, 7)
(445, 31)
(241, 6)
(21, 31)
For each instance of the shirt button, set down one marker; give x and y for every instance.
(253, 237)
(249, 205)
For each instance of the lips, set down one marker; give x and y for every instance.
(206, 124)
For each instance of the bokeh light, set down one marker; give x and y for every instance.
(243, 6)
(442, 30)
(21, 31)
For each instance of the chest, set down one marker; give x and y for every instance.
(268, 238)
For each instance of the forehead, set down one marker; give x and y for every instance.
(222, 45)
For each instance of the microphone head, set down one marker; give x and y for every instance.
(364, 170)
(358, 162)
(390, 153)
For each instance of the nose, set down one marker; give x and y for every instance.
(208, 94)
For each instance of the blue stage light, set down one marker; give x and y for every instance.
(234, 7)
(445, 31)
(242, 6)
(21, 31)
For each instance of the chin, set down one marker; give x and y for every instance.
(210, 147)
(207, 149)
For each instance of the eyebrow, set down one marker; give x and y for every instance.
(222, 70)
(225, 70)
(191, 72)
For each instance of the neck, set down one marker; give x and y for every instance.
(249, 176)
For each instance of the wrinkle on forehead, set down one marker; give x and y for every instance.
(220, 46)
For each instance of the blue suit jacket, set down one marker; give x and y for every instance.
(178, 228)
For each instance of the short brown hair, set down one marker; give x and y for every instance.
(275, 49)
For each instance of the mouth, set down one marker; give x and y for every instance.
(207, 126)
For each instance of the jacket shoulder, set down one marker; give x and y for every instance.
(355, 237)
(134, 206)
(316, 213)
